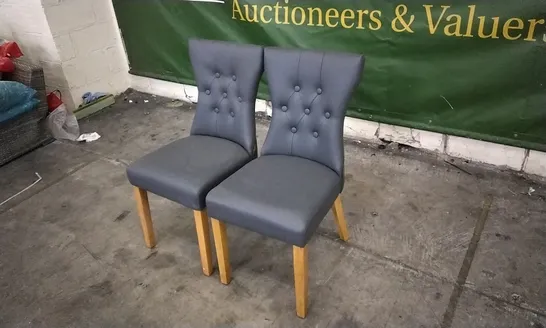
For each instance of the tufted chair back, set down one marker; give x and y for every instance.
(227, 76)
(309, 92)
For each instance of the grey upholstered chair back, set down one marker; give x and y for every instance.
(227, 76)
(309, 92)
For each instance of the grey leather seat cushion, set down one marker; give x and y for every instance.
(185, 170)
(279, 196)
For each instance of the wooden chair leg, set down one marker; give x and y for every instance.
(340, 219)
(222, 251)
(143, 206)
(301, 275)
(203, 238)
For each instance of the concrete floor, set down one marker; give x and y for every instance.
(432, 245)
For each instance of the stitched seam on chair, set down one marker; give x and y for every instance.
(227, 89)
(298, 70)
(298, 125)
(210, 82)
(301, 119)
(322, 123)
(320, 81)
(217, 120)
(286, 113)
(218, 104)
(312, 101)
(336, 110)
(298, 82)
(298, 78)
(292, 144)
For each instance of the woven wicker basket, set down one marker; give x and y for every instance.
(28, 131)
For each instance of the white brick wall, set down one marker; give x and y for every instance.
(412, 137)
(486, 152)
(361, 129)
(90, 49)
(536, 163)
(65, 47)
(24, 21)
(474, 150)
(67, 16)
(98, 36)
(23, 17)
(77, 42)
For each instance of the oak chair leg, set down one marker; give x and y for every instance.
(301, 277)
(222, 251)
(340, 219)
(203, 238)
(143, 207)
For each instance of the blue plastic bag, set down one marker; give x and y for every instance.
(15, 99)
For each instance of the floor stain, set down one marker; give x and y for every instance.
(242, 262)
(489, 274)
(152, 254)
(122, 216)
(122, 255)
(503, 237)
(413, 207)
(346, 321)
(102, 289)
(163, 261)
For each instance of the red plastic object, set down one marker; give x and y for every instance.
(54, 101)
(10, 49)
(6, 65)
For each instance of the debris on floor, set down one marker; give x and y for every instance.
(63, 124)
(22, 191)
(457, 167)
(90, 97)
(88, 137)
(175, 103)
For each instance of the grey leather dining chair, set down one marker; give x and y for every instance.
(286, 193)
(222, 138)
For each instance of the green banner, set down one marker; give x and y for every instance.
(469, 68)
